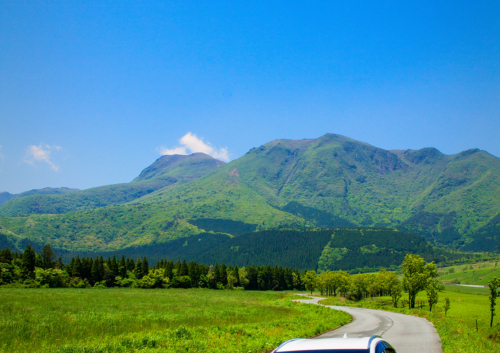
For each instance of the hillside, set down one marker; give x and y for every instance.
(331, 181)
(318, 249)
(471, 275)
(6, 196)
(165, 171)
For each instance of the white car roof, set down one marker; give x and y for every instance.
(326, 344)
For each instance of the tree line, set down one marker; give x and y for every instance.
(418, 275)
(29, 269)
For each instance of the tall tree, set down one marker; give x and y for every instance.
(184, 270)
(432, 294)
(122, 267)
(28, 263)
(6, 256)
(493, 285)
(48, 257)
(310, 281)
(223, 274)
(417, 275)
(138, 268)
(446, 305)
(169, 267)
(77, 268)
(95, 274)
(145, 267)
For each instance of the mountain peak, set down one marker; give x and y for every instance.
(172, 165)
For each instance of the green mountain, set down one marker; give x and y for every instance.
(6, 196)
(332, 181)
(165, 171)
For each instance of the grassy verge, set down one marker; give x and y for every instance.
(457, 329)
(129, 320)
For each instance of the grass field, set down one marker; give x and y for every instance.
(458, 328)
(477, 276)
(467, 290)
(129, 320)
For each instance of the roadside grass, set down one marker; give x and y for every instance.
(457, 329)
(129, 320)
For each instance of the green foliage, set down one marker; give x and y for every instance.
(295, 248)
(309, 281)
(493, 285)
(487, 237)
(446, 306)
(223, 226)
(417, 275)
(129, 320)
(432, 294)
(52, 277)
(369, 249)
(321, 218)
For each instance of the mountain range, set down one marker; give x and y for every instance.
(329, 182)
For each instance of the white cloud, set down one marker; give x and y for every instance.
(41, 153)
(190, 143)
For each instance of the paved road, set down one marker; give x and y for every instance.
(408, 334)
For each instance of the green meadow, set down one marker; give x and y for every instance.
(458, 328)
(471, 275)
(130, 320)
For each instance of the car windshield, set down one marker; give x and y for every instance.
(329, 351)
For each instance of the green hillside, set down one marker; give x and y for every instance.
(353, 250)
(487, 237)
(117, 227)
(474, 276)
(332, 181)
(5, 196)
(165, 171)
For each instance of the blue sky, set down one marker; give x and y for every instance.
(92, 92)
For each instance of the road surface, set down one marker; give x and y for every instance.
(407, 334)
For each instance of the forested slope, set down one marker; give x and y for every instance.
(318, 249)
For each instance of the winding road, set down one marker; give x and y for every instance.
(407, 334)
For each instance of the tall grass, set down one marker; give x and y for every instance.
(126, 320)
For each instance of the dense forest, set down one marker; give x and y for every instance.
(29, 269)
(353, 250)
(371, 248)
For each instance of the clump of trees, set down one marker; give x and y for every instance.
(29, 269)
(418, 276)
(355, 287)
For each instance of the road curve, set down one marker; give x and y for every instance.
(408, 334)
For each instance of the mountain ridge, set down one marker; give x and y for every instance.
(164, 172)
(330, 181)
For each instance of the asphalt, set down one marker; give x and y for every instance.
(407, 334)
